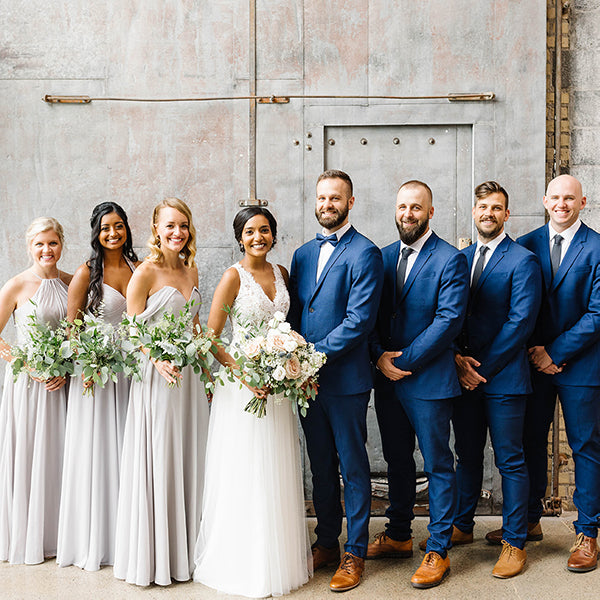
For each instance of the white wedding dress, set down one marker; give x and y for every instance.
(253, 540)
(162, 467)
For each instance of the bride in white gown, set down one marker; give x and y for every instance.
(253, 539)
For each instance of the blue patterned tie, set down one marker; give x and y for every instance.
(323, 239)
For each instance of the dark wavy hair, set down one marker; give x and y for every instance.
(244, 215)
(96, 261)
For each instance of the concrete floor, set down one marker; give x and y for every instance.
(545, 576)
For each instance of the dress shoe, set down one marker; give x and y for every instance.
(348, 574)
(385, 547)
(459, 538)
(322, 557)
(511, 561)
(534, 534)
(432, 571)
(584, 554)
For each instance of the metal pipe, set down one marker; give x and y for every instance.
(252, 104)
(271, 99)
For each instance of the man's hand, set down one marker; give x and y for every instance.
(467, 375)
(541, 360)
(386, 365)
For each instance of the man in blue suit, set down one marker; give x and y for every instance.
(565, 355)
(423, 304)
(493, 369)
(335, 286)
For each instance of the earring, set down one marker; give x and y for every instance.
(241, 248)
(157, 241)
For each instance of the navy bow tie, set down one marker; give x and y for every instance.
(323, 239)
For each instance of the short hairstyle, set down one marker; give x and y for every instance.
(244, 215)
(487, 188)
(42, 224)
(416, 183)
(336, 174)
(189, 252)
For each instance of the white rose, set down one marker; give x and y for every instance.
(279, 373)
(290, 345)
(285, 327)
(279, 316)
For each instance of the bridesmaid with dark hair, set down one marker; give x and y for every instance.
(95, 422)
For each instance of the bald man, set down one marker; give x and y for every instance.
(565, 360)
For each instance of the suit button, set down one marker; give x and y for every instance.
(311, 310)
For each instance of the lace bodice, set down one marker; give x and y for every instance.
(252, 304)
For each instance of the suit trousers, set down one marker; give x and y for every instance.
(335, 428)
(400, 418)
(475, 412)
(581, 411)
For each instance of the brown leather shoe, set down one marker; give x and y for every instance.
(511, 561)
(348, 574)
(385, 547)
(323, 557)
(432, 571)
(584, 554)
(534, 534)
(459, 538)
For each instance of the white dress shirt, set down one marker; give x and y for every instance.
(492, 245)
(327, 249)
(567, 236)
(416, 248)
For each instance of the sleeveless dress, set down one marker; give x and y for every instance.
(93, 445)
(32, 433)
(253, 540)
(162, 467)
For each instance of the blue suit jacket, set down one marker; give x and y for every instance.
(338, 311)
(569, 321)
(501, 316)
(424, 322)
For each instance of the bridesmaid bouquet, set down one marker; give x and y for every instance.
(175, 338)
(45, 354)
(100, 353)
(273, 355)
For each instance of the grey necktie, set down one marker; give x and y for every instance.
(479, 266)
(555, 254)
(401, 270)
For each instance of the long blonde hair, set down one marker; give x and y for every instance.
(189, 251)
(40, 225)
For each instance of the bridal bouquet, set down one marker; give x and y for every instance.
(100, 353)
(273, 355)
(45, 354)
(176, 339)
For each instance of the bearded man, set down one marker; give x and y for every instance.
(423, 304)
(335, 286)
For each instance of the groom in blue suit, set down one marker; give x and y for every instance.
(423, 304)
(335, 286)
(565, 355)
(506, 290)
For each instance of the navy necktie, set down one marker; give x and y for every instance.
(401, 270)
(479, 266)
(323, 239)
(555, 254)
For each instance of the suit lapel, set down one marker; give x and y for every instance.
(420, 262)
(391, 267)
(338, 251)
(543, 251)
(496, 257)
(575, 248)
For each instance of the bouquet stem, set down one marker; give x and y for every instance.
(257, 406)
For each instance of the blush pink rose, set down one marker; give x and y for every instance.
(292, 368)
(277, 341)
(298, 338)
(252, 349)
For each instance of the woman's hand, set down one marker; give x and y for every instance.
(55, 383)
(168, 370)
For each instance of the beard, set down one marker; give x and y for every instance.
(331, 222)
(410, 236)
(490, 234)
